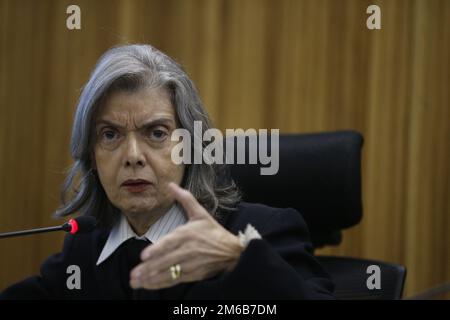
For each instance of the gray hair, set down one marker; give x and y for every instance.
(130, 68)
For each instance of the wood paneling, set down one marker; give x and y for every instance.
(300, 66)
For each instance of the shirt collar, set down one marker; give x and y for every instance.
(122, 231)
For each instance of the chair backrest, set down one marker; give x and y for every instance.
(351, 277)
(319, 175)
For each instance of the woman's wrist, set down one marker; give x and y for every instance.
(235, 253)
(241, 242)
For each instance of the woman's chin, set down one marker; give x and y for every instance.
(140, 209)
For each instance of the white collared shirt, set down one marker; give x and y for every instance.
(122, 231)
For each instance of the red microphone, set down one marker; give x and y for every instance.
(83, 224)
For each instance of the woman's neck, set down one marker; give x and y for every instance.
(141, 222)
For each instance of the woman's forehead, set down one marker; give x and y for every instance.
(130, 109)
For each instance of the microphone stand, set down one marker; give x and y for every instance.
(64, 227)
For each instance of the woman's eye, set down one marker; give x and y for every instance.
(109, 135)
(158, 134)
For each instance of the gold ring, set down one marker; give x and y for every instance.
(175, 271)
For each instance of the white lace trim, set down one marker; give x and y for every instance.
(249, 234)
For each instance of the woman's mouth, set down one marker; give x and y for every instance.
(136, 185)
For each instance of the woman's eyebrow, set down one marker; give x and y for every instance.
(145, 124)
(157, 121)
(108, 123)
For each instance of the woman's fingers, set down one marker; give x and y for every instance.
(191, 270)
(202, 247)
(193, 209)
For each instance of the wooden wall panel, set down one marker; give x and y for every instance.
(296, 65)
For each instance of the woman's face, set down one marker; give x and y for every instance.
(132, 141)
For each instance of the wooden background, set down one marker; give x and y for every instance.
(300, 66)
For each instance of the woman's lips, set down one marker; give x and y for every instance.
(136, 185)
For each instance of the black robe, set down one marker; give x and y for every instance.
(279, 266)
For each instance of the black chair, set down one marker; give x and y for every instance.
(320, 176)
(350, 276)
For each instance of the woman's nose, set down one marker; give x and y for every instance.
(134, 155)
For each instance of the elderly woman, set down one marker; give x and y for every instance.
(165, 230)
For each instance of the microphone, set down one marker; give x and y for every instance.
(81, 224)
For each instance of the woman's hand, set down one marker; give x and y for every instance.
(202, 248)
